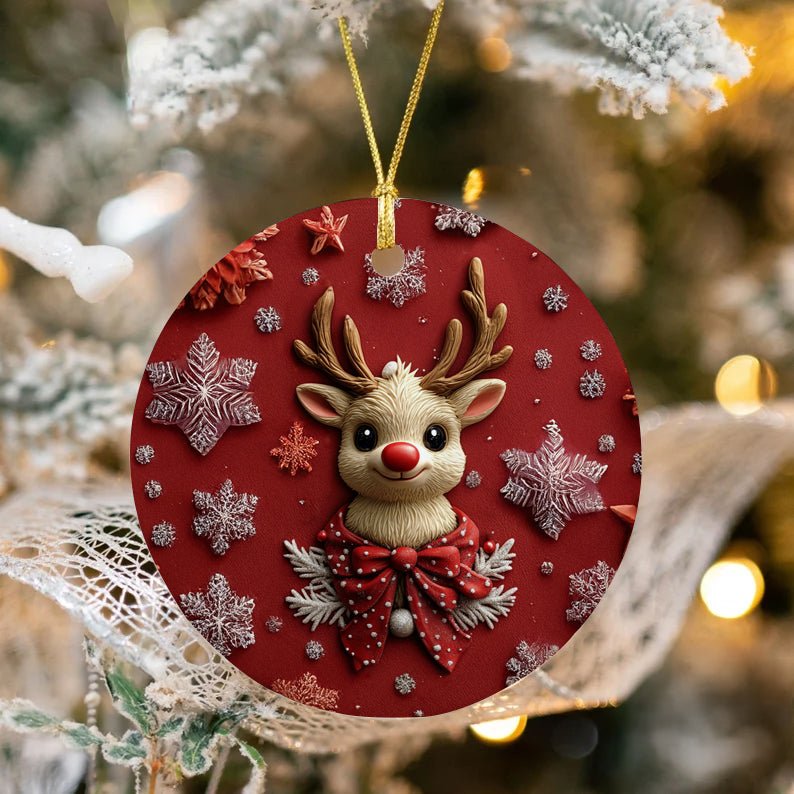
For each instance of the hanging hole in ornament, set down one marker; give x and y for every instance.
(388, 261)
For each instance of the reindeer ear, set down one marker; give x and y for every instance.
(326, 404)
(477, 399)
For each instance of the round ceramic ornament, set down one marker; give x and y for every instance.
(386, 495)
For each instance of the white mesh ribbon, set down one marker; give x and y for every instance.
(81, 546)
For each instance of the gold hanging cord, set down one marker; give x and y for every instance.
(385, 191)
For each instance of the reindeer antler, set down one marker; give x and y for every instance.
(324, 358)
(486, 331)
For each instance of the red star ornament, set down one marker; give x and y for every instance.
(327, 230)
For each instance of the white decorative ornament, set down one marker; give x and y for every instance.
(552, 484)
(606, 443)
(453, 218)
(404, 683)
(555, 299)
(528, 658)
(592, 384)
(401, 623)
(164, 534)
(93, 270)
(267, 320)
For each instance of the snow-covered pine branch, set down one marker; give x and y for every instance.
(639, 53)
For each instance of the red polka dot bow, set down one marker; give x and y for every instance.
(433, 577)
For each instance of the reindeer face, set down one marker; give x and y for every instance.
(401, 442)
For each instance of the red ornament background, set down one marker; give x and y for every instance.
(297, 507)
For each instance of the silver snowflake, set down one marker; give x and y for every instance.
(587, 588)
(164, 534)
(224, 516)
(473, 479)
(542, 358)
(606, 443)
(590, 350)
(528, 658)
(203, 395)
(555, 299)
(592, 384)
(144, 454)
(310, 276)
(408, 282)
(273, 624)
(419, 713)
(636, 466)
(405, 683)
(547, 568)
(314, 650)
(221, 616)
(553, 485)
(267, 320)
(153, 489)
(453, 218)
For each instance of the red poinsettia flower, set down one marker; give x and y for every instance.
(231, 275)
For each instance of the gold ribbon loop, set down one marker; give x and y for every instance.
(386, 191)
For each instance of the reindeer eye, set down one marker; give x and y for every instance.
(435, 438)
(365, 438)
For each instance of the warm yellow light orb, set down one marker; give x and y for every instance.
(473, 187)
(501, 731)
(493, 54)
(744, 384)
(732, 588)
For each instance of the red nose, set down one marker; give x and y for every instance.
(400, 456)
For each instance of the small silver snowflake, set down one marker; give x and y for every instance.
(310, 276)
(528, 658)
(405, 683)
(267, 320)
(224, 516)
(164, 534)
(273, 624)
(221, 616)
(314, 650)
(551, 483)
(453, 218)
(590, 350)
(547, 568)
(419, 713)
(592, 384)
(555, 299)
(144, 454)
(473, 479)
(636, 466)
(153, 489)
(587, 588)
(407, 283)
(542, 358)
(606, 443)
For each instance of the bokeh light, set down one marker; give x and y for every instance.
(493, 54)
(732, 588)
(744, 383)
(473, 187)
(501, 731)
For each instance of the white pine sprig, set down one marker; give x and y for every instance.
(498, 603)
(317, 602)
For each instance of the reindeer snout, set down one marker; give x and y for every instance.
(400, 456)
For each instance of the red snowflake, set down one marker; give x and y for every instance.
(326, 231)
(296, 450)
(306, 690)
(231, 275)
